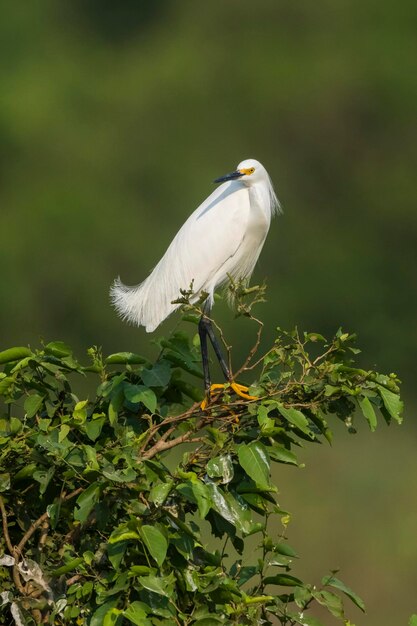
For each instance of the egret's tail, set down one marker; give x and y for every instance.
(138, 305)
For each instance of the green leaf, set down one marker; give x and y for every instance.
(202, 495)
(156, 543)
(32, 404)
(332, 581)
(413, 620)
(140, 393)
(162, 585)
(141, 570)
(80, 411)
(179, 353)
(295, 417)
(115, 404)
(123, 532)
(4, 482)
(63, 432)
(221, 467)
(58, 349)
(44, 478)
(368, 412)
(25, 472)
(100, 614)
(124, 475)
(116, 552)
(136, 613)
(76, 457)
(68, 567)
(330, 390)
(197, 492)
(246, 573)
(112, 617)
(159, 493)
(14, 354)
(266, 423)
(331, 601)
(254, 459)
(88, 557)
(93, 427)
(121, 358)
(286, 580)
(281, 454)
(184, 544)
(392, 403)
(285, 549)
(158, 376)
(86, 501)
(233, 509)
(302, 595)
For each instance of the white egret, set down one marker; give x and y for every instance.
(224, 236)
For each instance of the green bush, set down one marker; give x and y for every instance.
(103, 499)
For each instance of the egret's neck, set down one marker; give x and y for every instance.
(261, 198)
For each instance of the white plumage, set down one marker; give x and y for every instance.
(224, 235)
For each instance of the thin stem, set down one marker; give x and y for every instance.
(28, 534)
(254, 348)
(5, 526)
(161, 445)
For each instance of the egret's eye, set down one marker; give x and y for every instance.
(248, 171)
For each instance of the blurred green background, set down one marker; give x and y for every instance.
(114, 120)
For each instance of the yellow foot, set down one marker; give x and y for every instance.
(240, 390)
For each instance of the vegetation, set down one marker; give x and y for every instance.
(115, 117)
(135, 506)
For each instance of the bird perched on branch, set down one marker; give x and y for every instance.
(222, 238)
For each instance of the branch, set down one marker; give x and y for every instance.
(15, 571)
(16, 551)
(166, 445)
(162, 444)
(254, 348)
(73, 579)
(43, 536)
(5, 526)
(28, 534)
(169, 420)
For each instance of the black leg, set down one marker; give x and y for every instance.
(205, 326)
(205, 329)
(202, 331)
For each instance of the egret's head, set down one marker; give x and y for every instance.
(248, 171)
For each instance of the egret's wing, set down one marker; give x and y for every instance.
(204, 244)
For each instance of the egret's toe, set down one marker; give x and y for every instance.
(241, 390)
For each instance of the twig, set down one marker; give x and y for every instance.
(5, 526)
(28, 534)
(16, 551)
(258, 361)
(254, 348)
(168, 432)
(162, 444)
(166, 445)
(73, 579)
(12, 550)
(175, 419)
(44, 535)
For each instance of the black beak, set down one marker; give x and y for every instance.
(231, 176)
